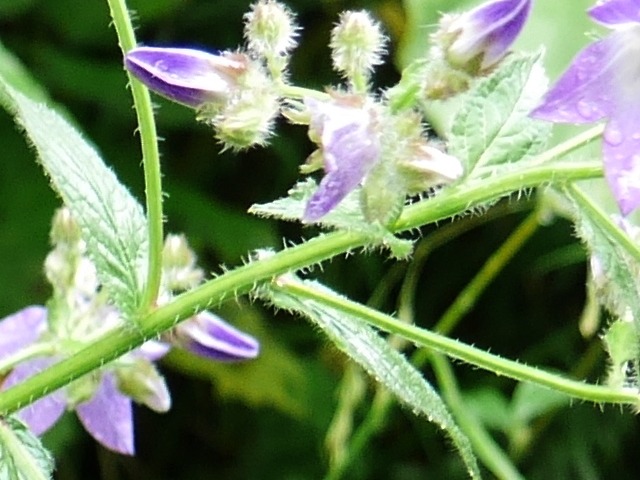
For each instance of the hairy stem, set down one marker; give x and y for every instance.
(448, 202)
(150, 157)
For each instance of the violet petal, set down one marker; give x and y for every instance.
(349, 149)
(621, 151)
(209, 336)
(108, 417)
(41, 415)
(187, 76)
(21, 329)
(615, 12)
(584, 92)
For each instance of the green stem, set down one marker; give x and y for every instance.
(241, 280)
(490, 453)
(494, 265)
(150, 158)
(455, 349)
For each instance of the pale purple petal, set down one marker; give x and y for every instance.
(187, 76)
(209, 336)
(615, 12)
(349, 149)
(108, 417)
(584, 93)
(41, 415)
(21, 329)
(621, 150)
(489, 30)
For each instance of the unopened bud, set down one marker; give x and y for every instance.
(142, 382)
(429, 167)
(179, 264)
(270, 31)
(190, 77)
(64, 229)
(357, 45)
(477, 40)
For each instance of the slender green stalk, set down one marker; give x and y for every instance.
(242, 279)
(489, 452)
(461, 351)
(374, 421)
(150, 157)
(467, 298)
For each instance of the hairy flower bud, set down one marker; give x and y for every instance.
(186, 76)
(270, 31)
(357, 45)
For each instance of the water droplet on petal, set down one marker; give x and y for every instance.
(636, 136)
(613, 136)
(584, 108)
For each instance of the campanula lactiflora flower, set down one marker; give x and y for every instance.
(603, 82)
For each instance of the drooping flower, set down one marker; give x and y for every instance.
(602, 83)
(35, 338)
(477, 40)
(345, 129)
(187, 76)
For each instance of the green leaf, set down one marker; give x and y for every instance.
(493, 126)
(615, 271)
(112, 221)
(346, 216)
(22, 456)
(388, 366)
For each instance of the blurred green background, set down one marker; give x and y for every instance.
(268, 419)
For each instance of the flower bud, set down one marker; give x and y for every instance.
(429, 167)
(179, 271)
(357, 45)
(190, 77)
(209, 336)
(270, 31)
(141, 381)
(477, 40)
(248, 117)
(64, 229)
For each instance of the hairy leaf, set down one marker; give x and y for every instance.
(112, 221)
(493, 126)
(22, 456)
(388, 366)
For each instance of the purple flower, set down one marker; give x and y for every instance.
(187, 76)
(602, 83)
(346, 133)
(106, 414)
(103, 399)
(209, 336)
(484, 34)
